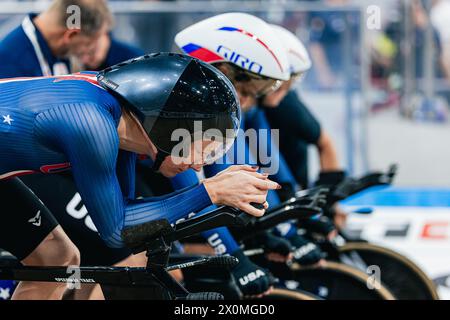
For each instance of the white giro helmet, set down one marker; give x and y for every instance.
(298, 56)
(239, 38)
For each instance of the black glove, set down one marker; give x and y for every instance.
(323, 226)
(330, 178)
(251, 279)
(306, 252)
(270, 243)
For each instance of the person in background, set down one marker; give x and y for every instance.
(298, 128)
(110, 51)
(440, 19)
(47, 41)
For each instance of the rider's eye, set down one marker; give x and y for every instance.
(242, 77)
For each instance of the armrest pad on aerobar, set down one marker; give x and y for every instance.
(221, 217)
(142, 235)
(136, 236)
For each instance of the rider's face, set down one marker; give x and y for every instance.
(248, 86)
(247, 98)
(196, 159)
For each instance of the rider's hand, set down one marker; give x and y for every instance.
(253, 280)
(306, 253)
(277, 249)
(238, 187)
(323, 226)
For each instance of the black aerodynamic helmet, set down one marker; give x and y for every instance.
(169, 91)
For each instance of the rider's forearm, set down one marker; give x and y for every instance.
(327, 153)
(220, 239)
(172, 207)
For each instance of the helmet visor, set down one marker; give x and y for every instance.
(250, 84)
(197, 141)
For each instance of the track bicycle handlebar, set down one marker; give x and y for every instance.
(300, 208)
(351, 186)
(150, 235)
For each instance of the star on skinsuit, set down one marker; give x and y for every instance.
(7, 119)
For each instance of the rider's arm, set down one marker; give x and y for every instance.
(87, 135)
(220, 238)
(318, 36)
(126, 168)
(327, 153)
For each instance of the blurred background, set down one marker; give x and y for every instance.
(380, 85)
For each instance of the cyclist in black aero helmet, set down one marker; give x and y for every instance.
(97, 124)
(173, 93)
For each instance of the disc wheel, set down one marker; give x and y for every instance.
(402, 276)
(337, 281)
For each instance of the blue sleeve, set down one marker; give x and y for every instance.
(184, 180)
(220, 239)
(126, 168)
(87, 135)
(173, 207)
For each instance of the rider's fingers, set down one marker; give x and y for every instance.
(266, 184)
(251, 210)
(243, 167)
(253, 191)
(262, 176)
(255, 198)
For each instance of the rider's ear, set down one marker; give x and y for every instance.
(69, 34)
(224, 68)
